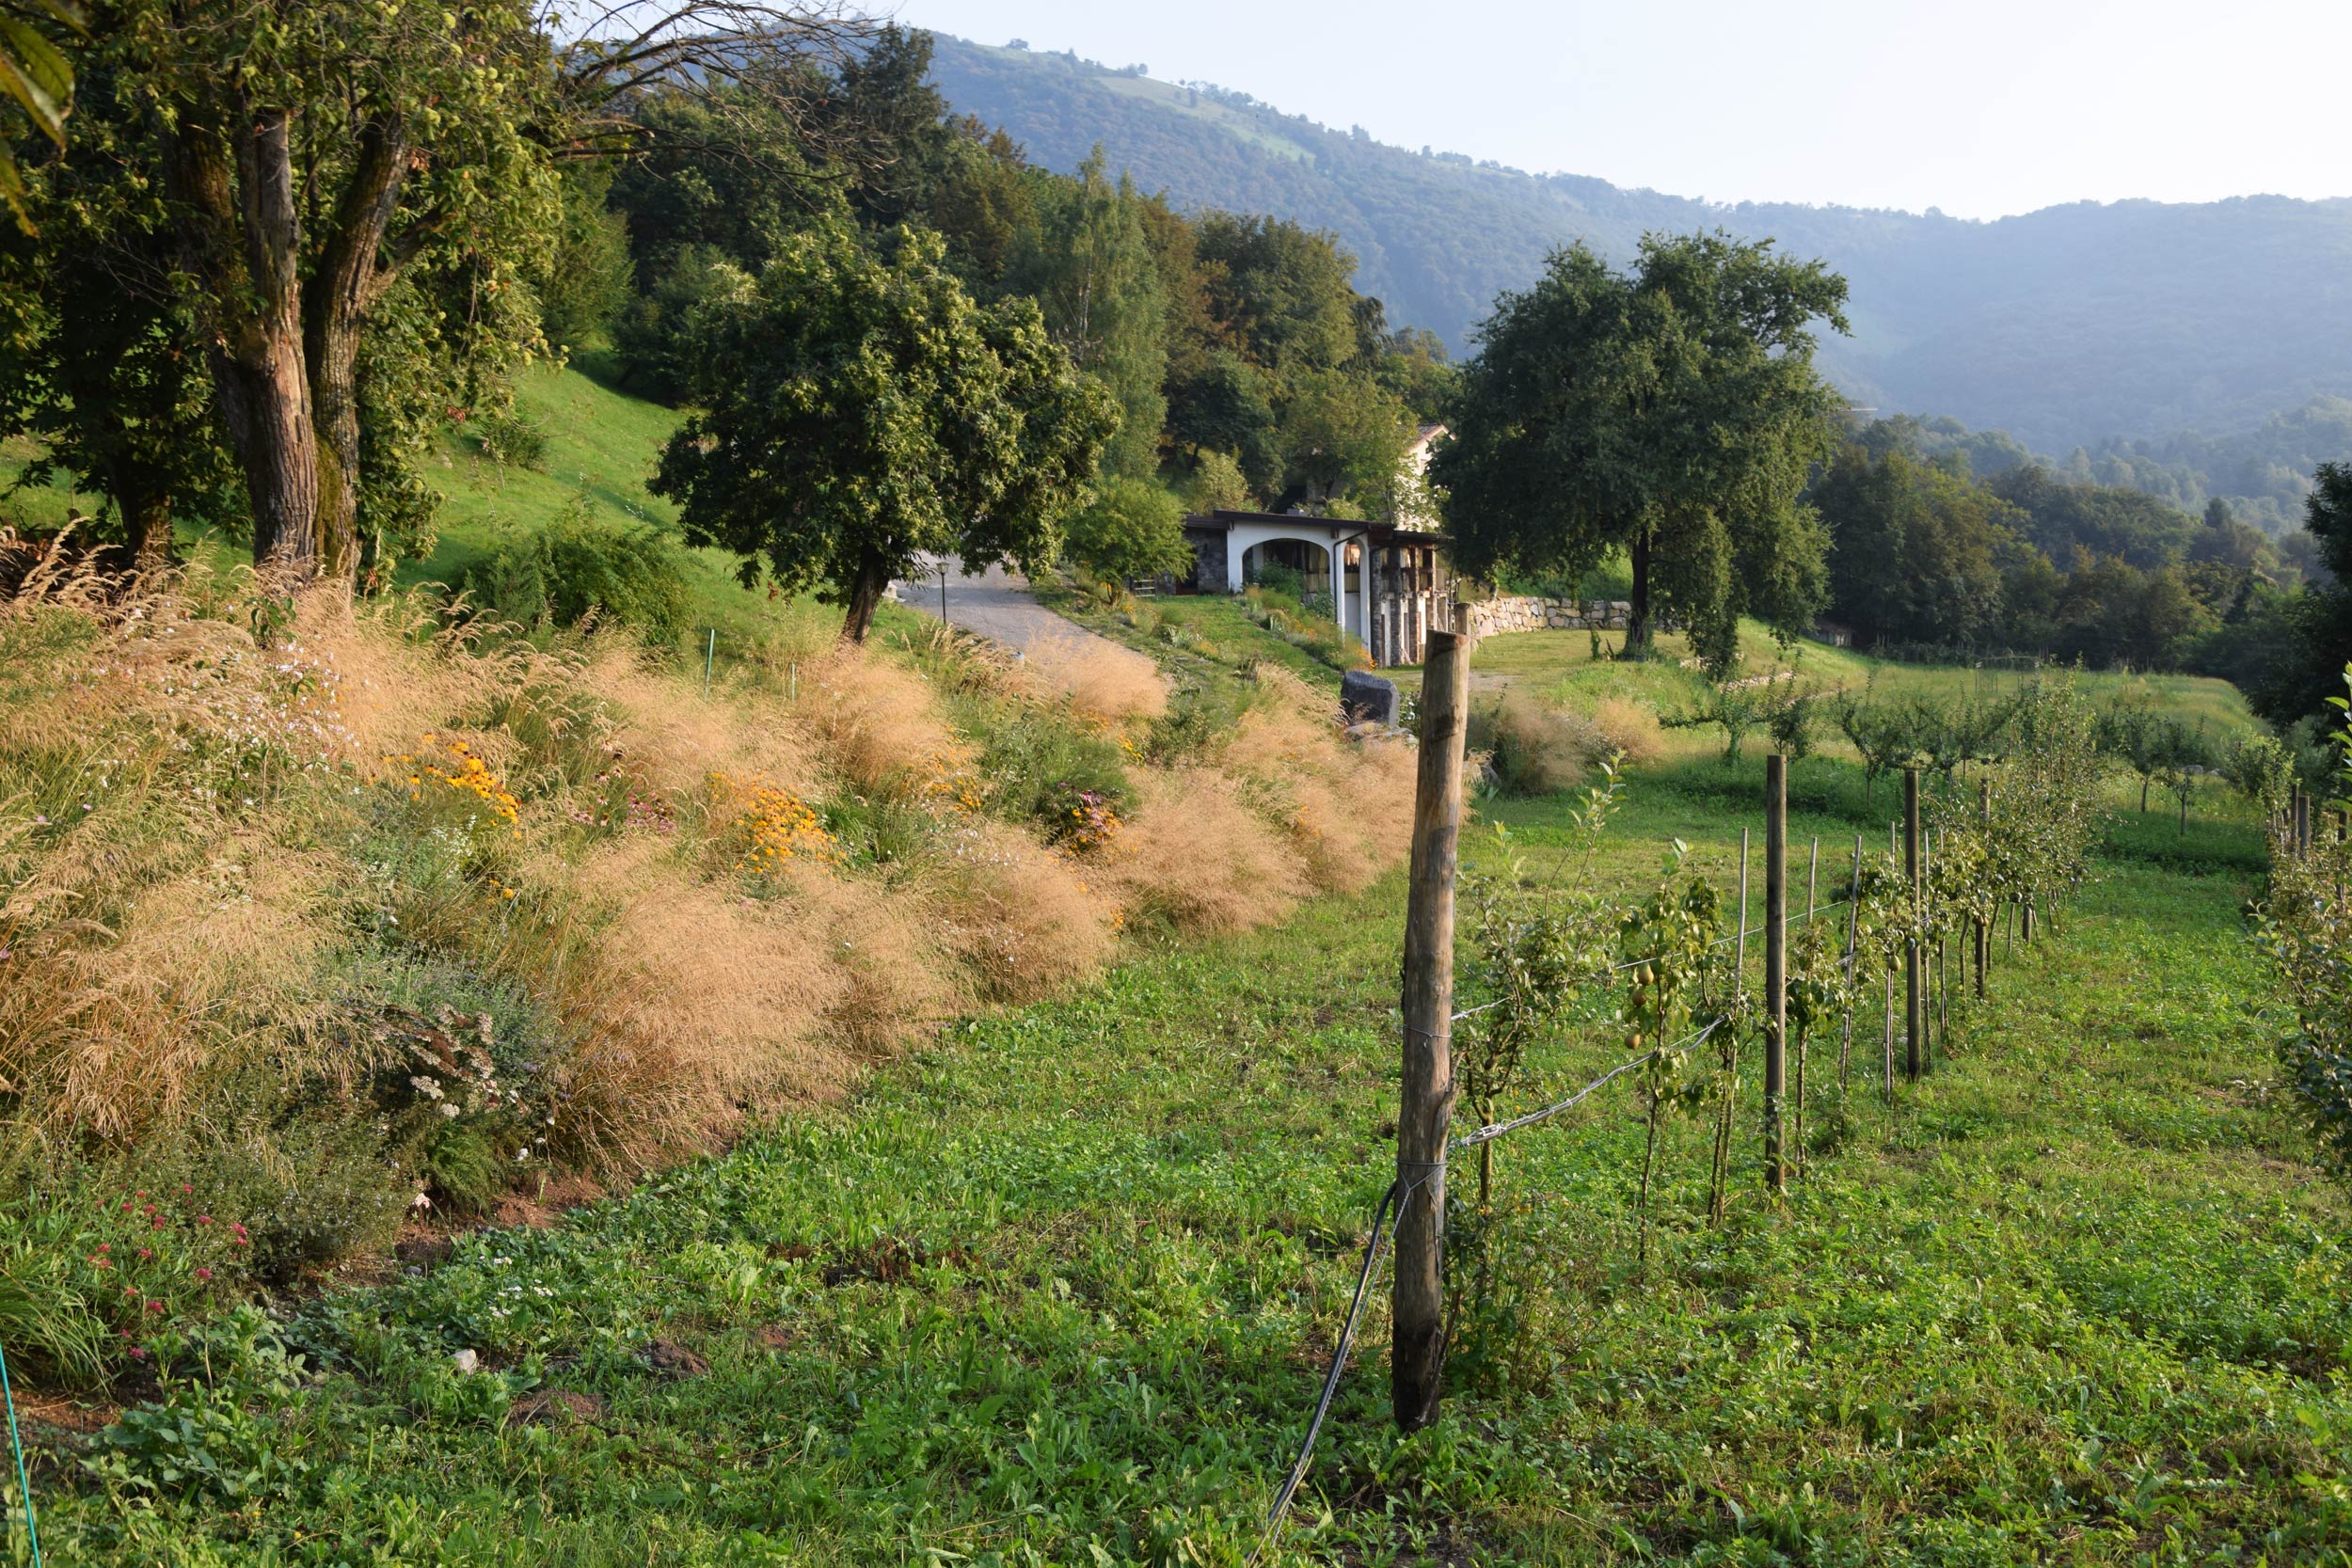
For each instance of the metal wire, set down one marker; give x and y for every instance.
(1392, 1198)
(16, 1443)
(1488, 1134)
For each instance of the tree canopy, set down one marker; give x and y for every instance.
(860, 411)
(1672, 411)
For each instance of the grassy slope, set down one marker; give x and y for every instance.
(602, 445)
(1059, 1288)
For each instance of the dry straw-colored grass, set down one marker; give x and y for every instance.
(1630, 729)
(879, 725)
(1027, 921)
(1101, 679)
(175, 934)
(1197, 858)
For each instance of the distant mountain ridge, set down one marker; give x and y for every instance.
(2063, 326)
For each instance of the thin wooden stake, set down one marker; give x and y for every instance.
(1985, 933)
(1740, 954)
(1776, 965)
(1914, 1062)
(1426, 1102)
(1853, 926)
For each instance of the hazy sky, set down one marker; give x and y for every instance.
(1982, 109)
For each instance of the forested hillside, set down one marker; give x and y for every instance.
(2064, 326)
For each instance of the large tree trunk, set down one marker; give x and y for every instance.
(866, 588)
(342, 289)
(146, 515)
(244, 240)
(1637, 622)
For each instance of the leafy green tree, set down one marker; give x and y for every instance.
(588, 272)
(1674, 411)
(96, 323)
(38, 80)
(1344, 436)
(314, 155)
(1915, 549)
(1223, 402)
(1089, 267)
(1133, 528)
(1216, 484)
(2319, 620)
(859, 412)
(1281, 292)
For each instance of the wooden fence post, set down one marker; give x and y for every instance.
(1426, 1102)
(1913, 1019)
(1776, 965)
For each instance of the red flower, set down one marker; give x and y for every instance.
(145, 1253)
(203, 1219)
(185, 1189)
(154, 1307)
(100, 1261)
(105, 1247)
(139, 1352)
(203, 1274)
(126, 1205)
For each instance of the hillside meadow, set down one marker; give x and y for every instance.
(481, 1096)
(1057, 1285)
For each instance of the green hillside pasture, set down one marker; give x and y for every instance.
(1061, 1288)
(602, 445)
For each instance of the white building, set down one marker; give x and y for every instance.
(1393, 584)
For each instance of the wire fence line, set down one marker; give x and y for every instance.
(1400, 1192)
(1393, 1201)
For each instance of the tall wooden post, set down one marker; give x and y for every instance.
(1425, 1104)
(1776, 965)
(2302, 823)
(1914, 1014)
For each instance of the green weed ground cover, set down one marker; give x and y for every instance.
(1059, 1289)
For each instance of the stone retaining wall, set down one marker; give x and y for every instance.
(1525, 612)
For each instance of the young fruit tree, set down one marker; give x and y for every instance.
(859, 411)
(1673, 412)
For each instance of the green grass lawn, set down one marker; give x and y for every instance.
(1059, 1286)
(1560, 666)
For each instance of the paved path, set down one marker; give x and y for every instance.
(998, 605)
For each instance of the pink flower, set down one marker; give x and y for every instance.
(126, 1205)
(154, 1307)
(185, 1189)
(203, 1219)
(145, 1253)
(105, 1247)
(235, 1226)
(155, 1223)
(203, 1274)
(139, 1352)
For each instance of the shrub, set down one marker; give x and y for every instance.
(1630, 729)
(1218, 484)
(508, 439)
(555, 575)
(1131, 528)
(1535, 749)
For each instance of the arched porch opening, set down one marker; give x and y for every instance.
(1310, 559)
